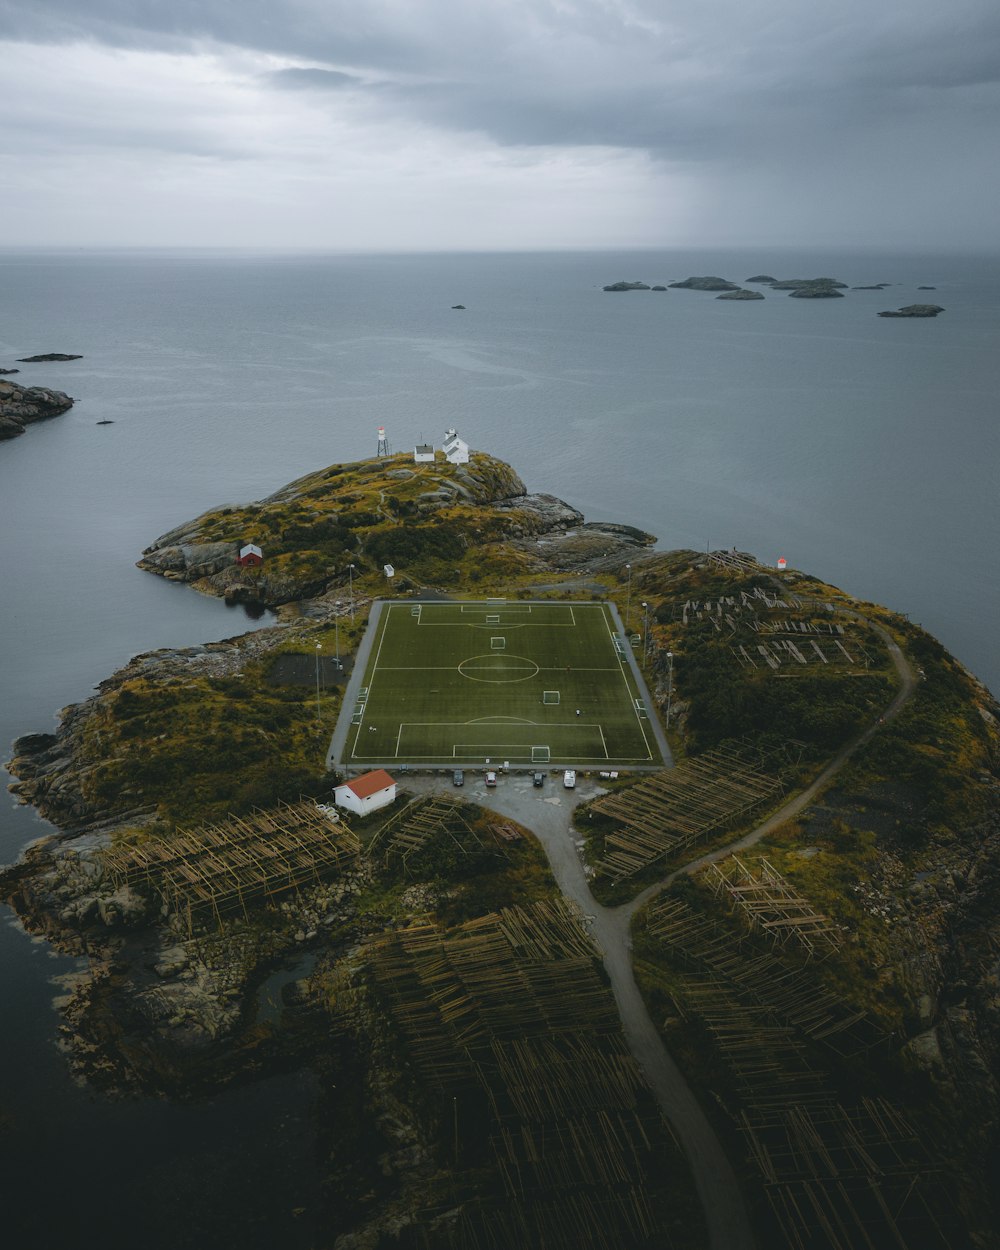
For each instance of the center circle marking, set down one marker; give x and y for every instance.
(522, 668)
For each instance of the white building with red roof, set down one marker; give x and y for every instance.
(367, 793)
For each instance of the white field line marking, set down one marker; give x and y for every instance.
(398, 736)
(603, 743)
(506, 624)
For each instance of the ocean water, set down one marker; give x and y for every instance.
(863, 450)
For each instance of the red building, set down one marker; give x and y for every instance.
(250, 555)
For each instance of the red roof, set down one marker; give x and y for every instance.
(370, 783)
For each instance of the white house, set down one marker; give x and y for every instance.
(423, 453)
(367, 793)
(455, 449)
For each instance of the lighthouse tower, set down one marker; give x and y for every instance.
(383, 442)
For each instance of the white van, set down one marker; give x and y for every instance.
(569, 779)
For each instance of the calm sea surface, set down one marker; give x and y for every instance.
(864, 450)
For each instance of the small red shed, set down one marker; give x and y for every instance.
(249, 555)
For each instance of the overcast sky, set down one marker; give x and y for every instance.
(413, 124)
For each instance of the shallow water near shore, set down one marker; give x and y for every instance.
(862, 449)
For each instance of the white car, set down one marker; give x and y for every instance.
(569, 779)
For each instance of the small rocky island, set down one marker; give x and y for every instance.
(630, 286)
(21, 405)
(710, 283)
(741, 293)
(46, 357)
(915, 310)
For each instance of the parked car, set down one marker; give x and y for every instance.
(491, 778)
(458, 777)
(538, 779)
(569, 779)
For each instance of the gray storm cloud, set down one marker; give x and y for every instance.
(897, 103)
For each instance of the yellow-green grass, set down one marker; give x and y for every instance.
(468, 683)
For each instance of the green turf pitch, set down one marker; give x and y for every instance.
(438, 689)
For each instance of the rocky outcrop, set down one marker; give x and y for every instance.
(926, 288)
(311, 530)
(878, 286)
(6, 372)
(816, 292)
(45, 357)
(186, 561)
(915, 310)
(627, 286)
(764, 278)
(705, 284)
(742, 293)
(21, 405)
(541, 513)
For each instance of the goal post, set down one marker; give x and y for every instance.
(540, 755)
(550, 696)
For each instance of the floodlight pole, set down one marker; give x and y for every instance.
(670, 683)
(645, 632)
(350, 588)
(628, 596)
(336, 627)
(319, 648)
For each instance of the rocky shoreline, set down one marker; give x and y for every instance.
(21, 405)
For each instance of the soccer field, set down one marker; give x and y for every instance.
(467, 684)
